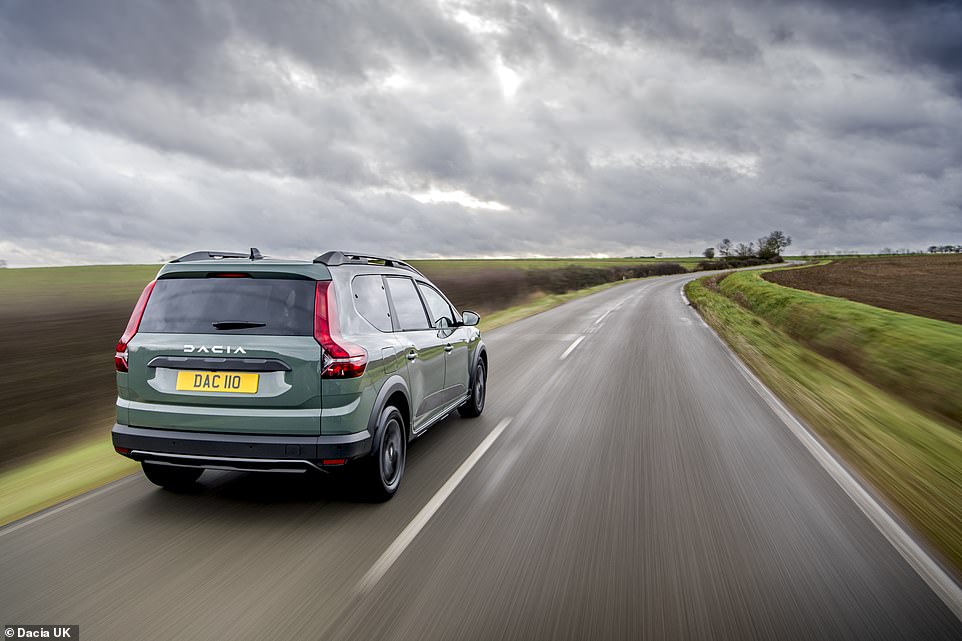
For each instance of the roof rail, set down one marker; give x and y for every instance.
(334, 258)
(254, 254)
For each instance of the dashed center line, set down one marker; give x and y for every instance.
(602, 317)
(572, 347)
(404, 539)
(384, 563)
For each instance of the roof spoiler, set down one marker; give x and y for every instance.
(254, 254)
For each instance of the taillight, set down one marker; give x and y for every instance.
(341, 359)
(120, 357)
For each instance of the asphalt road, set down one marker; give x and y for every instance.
(633, 486)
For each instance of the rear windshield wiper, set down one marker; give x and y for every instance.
(236, 324)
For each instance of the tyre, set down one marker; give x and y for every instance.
(475, 403)
(170, 477)
(381, 472)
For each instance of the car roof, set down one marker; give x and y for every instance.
(194, 266)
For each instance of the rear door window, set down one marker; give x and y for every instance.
(370, 300)
(408, 310)
(265, 306)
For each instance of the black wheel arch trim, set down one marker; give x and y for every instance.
(481, 350)
(393, 384)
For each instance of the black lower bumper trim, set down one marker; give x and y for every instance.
(208, 449)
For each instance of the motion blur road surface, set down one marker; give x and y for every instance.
(641, 489)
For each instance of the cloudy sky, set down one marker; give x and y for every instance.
(132, 130)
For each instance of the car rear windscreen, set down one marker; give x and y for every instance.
(273, 307)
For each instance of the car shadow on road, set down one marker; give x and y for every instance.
(265, 495)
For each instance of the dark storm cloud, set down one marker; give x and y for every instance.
(164, 42)
(131, 130)
(913, 33)
(173, 40)
(923, 32)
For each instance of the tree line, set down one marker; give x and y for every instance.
(768, 249)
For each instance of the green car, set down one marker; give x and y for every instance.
(238, 362)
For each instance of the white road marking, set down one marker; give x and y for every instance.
(63, 506)
(403, 540)
(684, 297)
(572, 347)
(613, 308)
(602, 317)
(931, 572)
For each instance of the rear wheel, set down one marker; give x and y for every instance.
(170, 477)
(475, 403)
(382, 471)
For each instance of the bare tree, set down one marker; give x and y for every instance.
(725, 247)
(745, 251)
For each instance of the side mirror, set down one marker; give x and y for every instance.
(469, 318)
(444, 326)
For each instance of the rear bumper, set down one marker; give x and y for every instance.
(245, 452)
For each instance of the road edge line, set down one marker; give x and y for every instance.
(13, 526)
(930, 571)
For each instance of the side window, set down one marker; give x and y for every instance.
(370, 299)
(438, 308)
(408, 310)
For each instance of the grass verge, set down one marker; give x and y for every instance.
(59, 476)
(915, 358)
(914, 460)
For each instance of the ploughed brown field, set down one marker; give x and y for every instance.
(922, 285)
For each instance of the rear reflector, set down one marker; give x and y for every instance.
(334, 461)
(122, 450)
(120, 355)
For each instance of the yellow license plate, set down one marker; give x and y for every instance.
(240, 382)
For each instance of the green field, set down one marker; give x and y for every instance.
(798, 343)
(44, 286)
